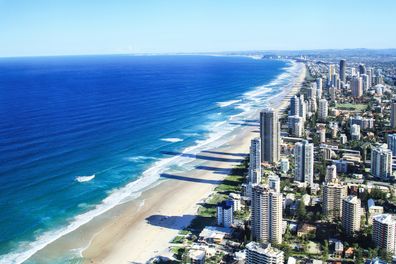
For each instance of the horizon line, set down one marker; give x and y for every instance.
(195, 53)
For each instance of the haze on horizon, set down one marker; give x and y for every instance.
(48, 27)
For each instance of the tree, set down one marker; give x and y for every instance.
(301, 211)
(358, 255)
(325, 249)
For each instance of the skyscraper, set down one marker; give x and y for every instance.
(333, 193)
(331, 72)
(351, 214)
(304, 162)
(298, 106)
(381, 162)
(384, 228)
(357, 87)
(392, 143)
(393, 114)
(295, 125)
(270, 135)
(266, 215)
(319, 86)
(342, 70)
(323, 109)
(294, 106)
(365, 82)
(257, 253)
(362, 69)
(255, 161)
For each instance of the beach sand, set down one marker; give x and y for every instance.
(137, 230)
(143, 228)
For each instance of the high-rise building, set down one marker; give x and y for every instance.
(392, 143)
(295, 125)
(319, 87)
(342, 70)
(266, 215)
(311, 92)
(355, 132)
(298, 106)
(255, 161)
(381, 162)
(304, 162)
(362, 69)
(353, 71)
(384, 229)
(365, 82)
(357, 87)
(323, 109)
(331, 173)
(331, 73)
(351, 214)
(225, 213)
(393, 114)
(270, 135)
(257, 253)
(333, 193)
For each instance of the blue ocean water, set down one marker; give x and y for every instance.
(108, 117)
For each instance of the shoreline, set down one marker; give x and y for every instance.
(142, 228)
(139, 241)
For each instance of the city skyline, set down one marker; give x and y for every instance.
(46, 28)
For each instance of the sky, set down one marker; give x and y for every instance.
(73, 27)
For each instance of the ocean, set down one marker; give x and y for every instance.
(81, 134)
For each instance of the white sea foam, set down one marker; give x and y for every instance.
(219, 133)
(85, 178)
(172, 140)
(227, 103)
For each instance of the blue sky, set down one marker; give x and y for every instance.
(54, 27)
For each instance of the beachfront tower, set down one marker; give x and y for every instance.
(266, 215)
(269, 134)
(225, 213)
(304, 162)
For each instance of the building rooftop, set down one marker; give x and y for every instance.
(384, 218)
(263, 249)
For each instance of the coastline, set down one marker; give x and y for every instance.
(142, 227)
(150, 222)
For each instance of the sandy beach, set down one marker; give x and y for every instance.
(144, 227)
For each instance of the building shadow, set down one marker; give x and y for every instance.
(225, 171)
(170, 222)
(199, 156)
(226, 153)
(190, 179)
